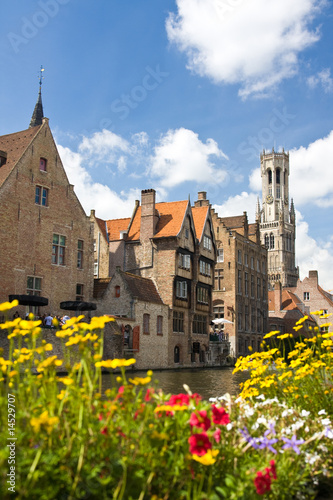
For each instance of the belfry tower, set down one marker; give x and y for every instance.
(277, 219)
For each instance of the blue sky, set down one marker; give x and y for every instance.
(181, 96)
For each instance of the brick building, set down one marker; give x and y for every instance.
(141, 315)
(285, 309)
(173, 244)
(240, 290)
(46, 237)
(314, 298)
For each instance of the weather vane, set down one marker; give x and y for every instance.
(41, 75)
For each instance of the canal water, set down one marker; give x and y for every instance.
(208, 382)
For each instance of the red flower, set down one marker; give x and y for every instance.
(104, 430)
(200, 419)
(196, 398)
(179, 399)
(149, 394)
(220, 416)
(272, 469)
(199, 444)
(262, 483)
(217, 435)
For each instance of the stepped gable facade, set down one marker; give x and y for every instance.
(173, 244)
(46, 237)
(240, 289)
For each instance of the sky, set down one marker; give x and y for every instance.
(181, 96)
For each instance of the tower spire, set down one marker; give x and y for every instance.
(38, 114)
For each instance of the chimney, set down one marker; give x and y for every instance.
(149, 219)
(202, 199)
(277, 296)
(148, 214)
(313, 275)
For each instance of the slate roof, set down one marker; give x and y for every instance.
(171, 217)
(142, 288)
(15, 145)
(234, 222)
(100, 285)
(199, 217)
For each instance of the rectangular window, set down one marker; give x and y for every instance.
(159, 325)
(220, 255)
(306, 296)
(41, 196)
(200, 324)
(239, 256)
(218, 279)
(246, 318)
(239, 281)
(205, 268)
(202, 295)
(185, 261)
(181, 289)
(240, 321)
(79, 292)
(80, 254)
(252, 286)
(58, 249)
(34, 285)
(178, 322)
(96, 268)
(146, 318)
(258, 320)
(186, 232)
(253, 319)
(207, 242)
(246, 259)
(258, 266)
(246, 284)
(264, 289)
(252, 263)
(278, 192)
(258, 288)
(42, 164)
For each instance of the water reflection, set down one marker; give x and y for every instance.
(208, 382)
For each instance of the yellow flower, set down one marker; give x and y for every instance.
(5, 306)
(284, 336)
(51, 361)
(139, 380)
(271, 334)
(300, 321)
(267, 382)
(170, 408)
(208, 458)
(44, 421)
(66, 380)
(285, 374)
(296, 328)
(115, 363)
(13, 373)
(99, 322)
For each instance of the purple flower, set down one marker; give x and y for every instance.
(265, 442)
(292, 443)
(251, 440)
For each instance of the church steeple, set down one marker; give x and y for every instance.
(38, 114)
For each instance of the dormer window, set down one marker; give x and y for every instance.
(207, 242)
(42, 164)
(117, 291)
(3, 158)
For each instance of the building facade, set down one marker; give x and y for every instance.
(240, 289)
(46, 237)
(277, 219)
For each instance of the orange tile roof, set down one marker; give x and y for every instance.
(171, 217)
(114, 226)
(200, 216)
(15, 145)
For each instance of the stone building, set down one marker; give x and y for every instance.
(240, 289)
(173, 244)
(277, 219)
(285, 309)
(46, 237)
(140, 314)
(314, 298)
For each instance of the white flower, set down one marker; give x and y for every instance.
(287, 412)
(297, 425)
(311, 459)
(305, 413)
(329, 433)
(326, 422)
(229, 426)
(261, 396)
(322, 412)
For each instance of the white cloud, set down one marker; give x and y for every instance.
(311, 179)
(310, 255)
(255, 43)
(323, 78)
(103, 147)
(236, 205)
(180, 157)
(93, 195)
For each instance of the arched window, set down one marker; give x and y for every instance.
(176, 354)
(269, 177)
(278, 176)
(271, 241)
(266, 241)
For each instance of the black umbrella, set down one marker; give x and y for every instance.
(29, 300)
(77, 305)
